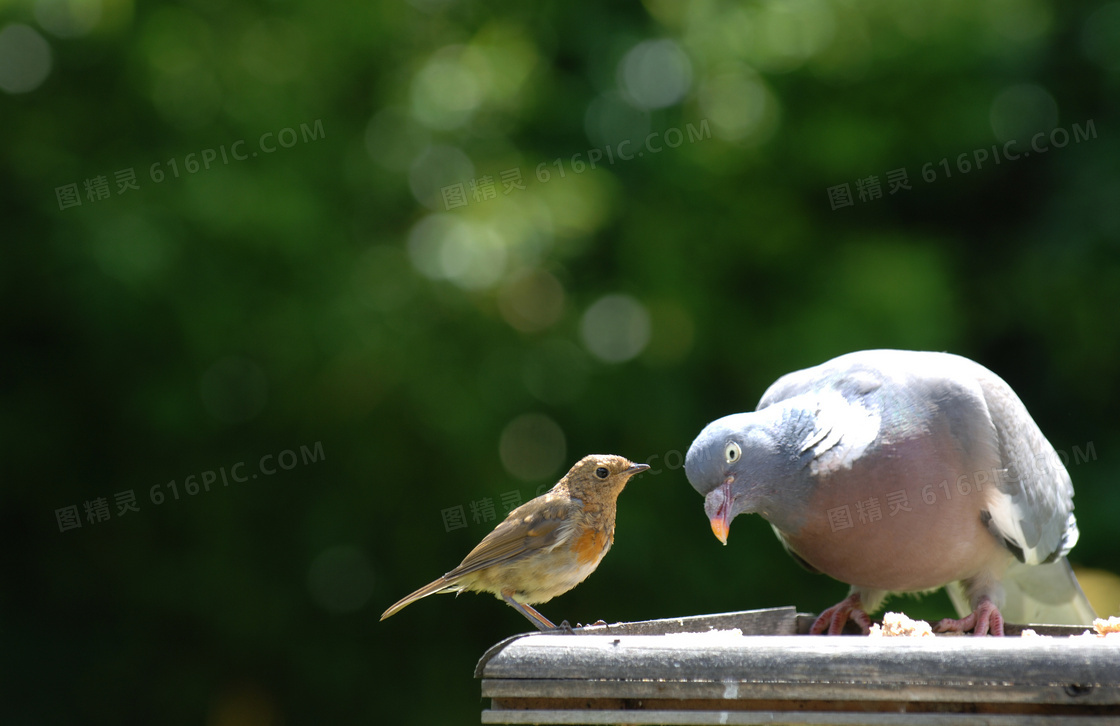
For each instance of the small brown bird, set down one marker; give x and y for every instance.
(546, 546)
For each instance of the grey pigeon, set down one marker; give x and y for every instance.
(903, 471)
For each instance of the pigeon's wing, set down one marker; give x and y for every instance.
(838, 409)
(1033, 508)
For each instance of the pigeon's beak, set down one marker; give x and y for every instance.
(721, 527)
(720, 519)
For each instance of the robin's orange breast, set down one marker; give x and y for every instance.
(590, 545)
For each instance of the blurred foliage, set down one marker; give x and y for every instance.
(314, 287)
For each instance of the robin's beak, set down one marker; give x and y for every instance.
(636, 469)
(721, 524)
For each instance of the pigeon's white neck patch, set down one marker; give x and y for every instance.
(844, 431)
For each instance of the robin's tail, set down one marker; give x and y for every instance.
(440, 585)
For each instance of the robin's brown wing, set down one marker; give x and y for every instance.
(535, 525)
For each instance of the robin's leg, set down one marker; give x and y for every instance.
(534, 617)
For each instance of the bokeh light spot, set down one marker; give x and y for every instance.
(246, 704)
(578, 205)
(1021, 111)
(1100, 39)
(740, 106)
(133, 249)
(615, 328)
(434, 168)
(68, 18)
(25, 59)
(1020, 20)
(180, 50)
(469, 254)
(532, 446)
(476, 259)
(509, 55)
(789, 32)
(525, 222)
(655, 74)
(425, 241)
(531, 300)
(446, 91)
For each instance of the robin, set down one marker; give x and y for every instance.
(546, 546)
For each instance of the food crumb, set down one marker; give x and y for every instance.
(1107, 627)
(897, 625)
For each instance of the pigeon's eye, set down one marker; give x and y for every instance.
(732, 452)
(602, 472)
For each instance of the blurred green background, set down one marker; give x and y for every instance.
(358, 249)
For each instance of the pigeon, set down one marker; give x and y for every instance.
(903, 471)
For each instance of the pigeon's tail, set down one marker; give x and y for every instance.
(1043, 594)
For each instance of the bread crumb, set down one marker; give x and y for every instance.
(1108, 627)
(1105, 629)
(898, 625)
(1028, 633)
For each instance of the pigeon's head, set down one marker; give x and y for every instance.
(736, 462)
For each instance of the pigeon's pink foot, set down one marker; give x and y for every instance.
(984, 619)
(833, 619)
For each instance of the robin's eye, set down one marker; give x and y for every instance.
(602, 472)
(732, 452)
